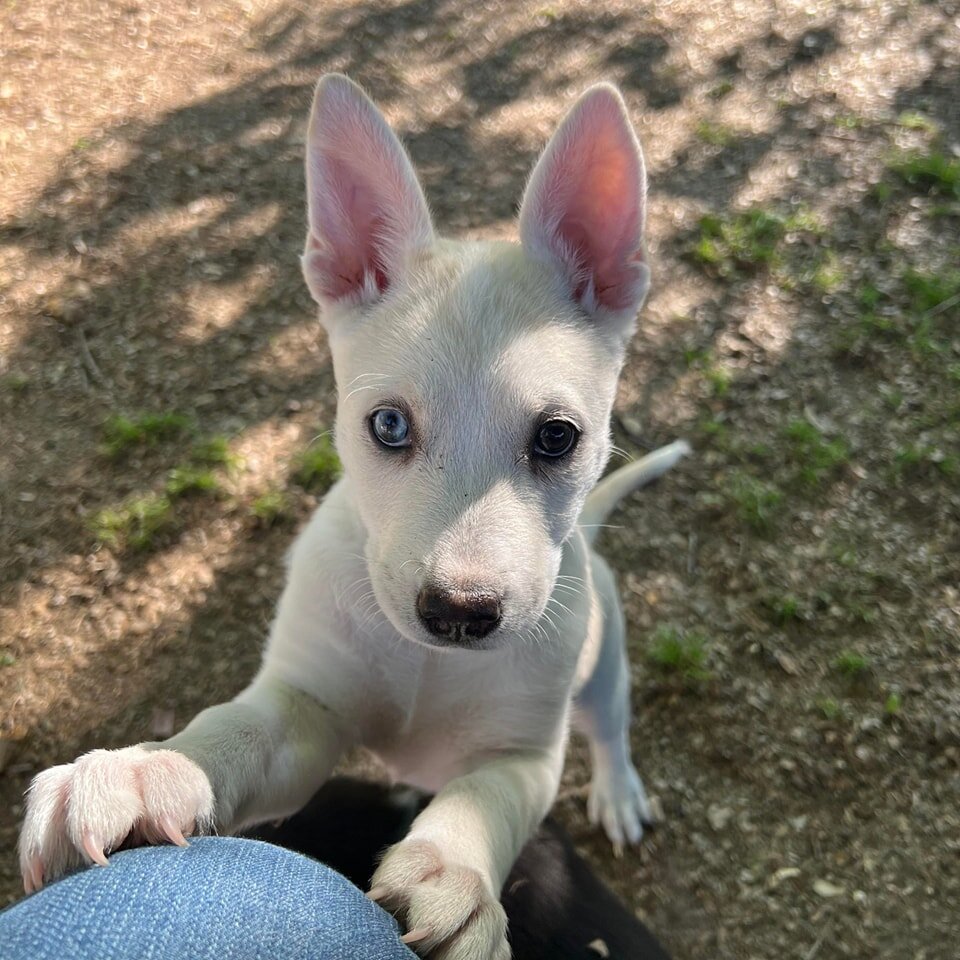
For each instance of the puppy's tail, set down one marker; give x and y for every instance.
(621, 483)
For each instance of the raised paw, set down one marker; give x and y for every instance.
(80, 811)
(618, 801)
(449, 910)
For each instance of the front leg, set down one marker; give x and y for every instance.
(445, 877)
(261, 755)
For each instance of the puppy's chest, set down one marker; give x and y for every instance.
(436, 721)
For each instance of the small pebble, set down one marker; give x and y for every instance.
(719, 817)
(826, 889)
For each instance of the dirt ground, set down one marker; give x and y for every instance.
(792, 590)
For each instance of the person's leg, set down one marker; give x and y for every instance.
(222, 898)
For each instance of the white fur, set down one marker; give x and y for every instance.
(478, 341)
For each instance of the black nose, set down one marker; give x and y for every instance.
(455, 614)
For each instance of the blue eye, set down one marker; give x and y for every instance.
(390, 427)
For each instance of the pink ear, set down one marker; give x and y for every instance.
(367, 213)
(583, 208)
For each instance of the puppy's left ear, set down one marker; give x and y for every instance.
(584, 206)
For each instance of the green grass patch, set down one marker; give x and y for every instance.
(916, 458)
(15, 382)
(757, 503)
(318, 467)
(720, 90)
(931, 291)
(122, 433)
(829, 708)
(7, 659)
(892, 705)
(271, 508)
(742, 243)
(828, 275)
(914, 120)
(815, 456)
(718, 378)
(934, 299)
(782, 609)
(920, 311)
(136, 523)
(747, 241)
(929, 173)
(892, 397)
(679, 653)
(214, 452)
(851, 665)
(850, 121)
(694, 357)
(716, 429)
(715, 134)
(190, 479)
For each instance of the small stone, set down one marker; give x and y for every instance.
(599, 947)
(719, 817)
(826, 889)
(786, 663)
(784, 873)
(632, 426)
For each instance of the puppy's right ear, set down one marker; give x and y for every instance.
(367, 214)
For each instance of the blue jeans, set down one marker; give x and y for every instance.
(222, 898)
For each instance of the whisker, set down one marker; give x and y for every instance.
(549, 619)
(370, 386)
(563, 606)
(361, 376)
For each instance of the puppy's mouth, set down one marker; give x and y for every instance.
(460, 641)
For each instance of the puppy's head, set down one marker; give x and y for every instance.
(475, 379)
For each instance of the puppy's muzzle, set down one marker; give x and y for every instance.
(459, 614)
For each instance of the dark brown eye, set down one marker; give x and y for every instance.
(555, 438)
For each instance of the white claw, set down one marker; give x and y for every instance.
(94, 850)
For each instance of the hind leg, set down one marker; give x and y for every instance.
(602, 713)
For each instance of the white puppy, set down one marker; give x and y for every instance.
(443, 607)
